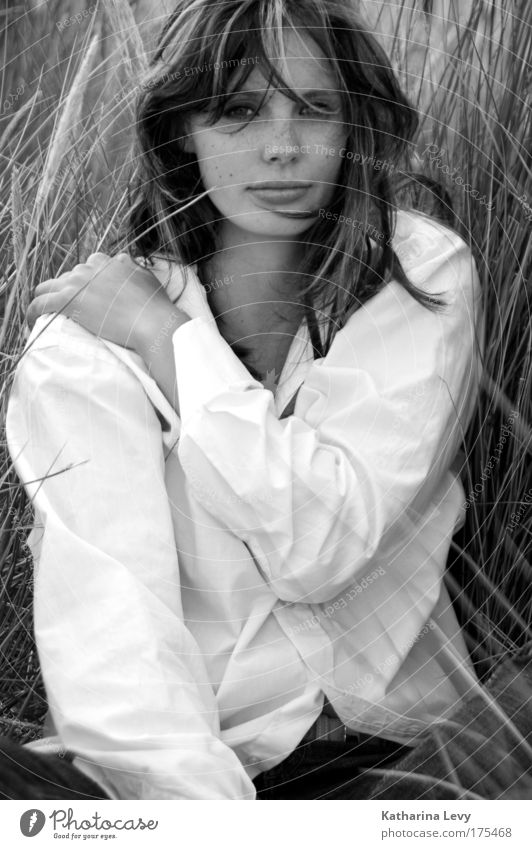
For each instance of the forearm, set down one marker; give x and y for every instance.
(155, 347)
(376, 425)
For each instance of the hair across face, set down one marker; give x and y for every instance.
(271, 161)
(208, 54)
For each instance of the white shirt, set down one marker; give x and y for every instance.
(200, 587)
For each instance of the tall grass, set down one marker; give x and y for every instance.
(62, 192)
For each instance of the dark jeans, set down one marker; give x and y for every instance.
(316, 770)
(25, 774)
(327, 770)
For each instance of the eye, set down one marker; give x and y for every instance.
(321, 107)
(240, 112)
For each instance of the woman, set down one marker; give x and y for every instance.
(238, 433)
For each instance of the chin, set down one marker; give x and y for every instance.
(273, 224)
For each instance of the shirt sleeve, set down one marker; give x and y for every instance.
(125, 681)
(376, 423)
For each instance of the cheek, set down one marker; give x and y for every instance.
(326, 147)
(218, 167)
(327, 172)
(339, 168)
(330, 133)
(327, 167)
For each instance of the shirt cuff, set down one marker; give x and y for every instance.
(205, 365)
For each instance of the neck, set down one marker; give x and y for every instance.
(251, 279)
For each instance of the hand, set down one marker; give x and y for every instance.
(186, 291)
(111, 297)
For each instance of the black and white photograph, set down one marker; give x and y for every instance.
(266, 419)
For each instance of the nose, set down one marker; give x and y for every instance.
(282, 141)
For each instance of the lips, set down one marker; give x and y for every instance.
(279, 192)
(281, 184)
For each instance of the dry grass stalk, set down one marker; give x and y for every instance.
(63, 138)
(126, 32)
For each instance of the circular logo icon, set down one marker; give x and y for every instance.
(32, 822)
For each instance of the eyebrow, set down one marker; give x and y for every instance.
(308, 93)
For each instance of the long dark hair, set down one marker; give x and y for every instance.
(197, 56)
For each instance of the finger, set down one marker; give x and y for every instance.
(97, 257)
(100, 261)
(97, 261)
(57, 284)
(40, 306)
(54, 280)
(124, 259)
(45, 287)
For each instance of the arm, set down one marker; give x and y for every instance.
(122, 673)
(156, 349)
(376, 424)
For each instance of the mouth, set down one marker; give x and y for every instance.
(281, 184)
(279, 192)
(293, 213)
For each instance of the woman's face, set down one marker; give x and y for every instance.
(286, 160)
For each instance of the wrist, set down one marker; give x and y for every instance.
(153, 336)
